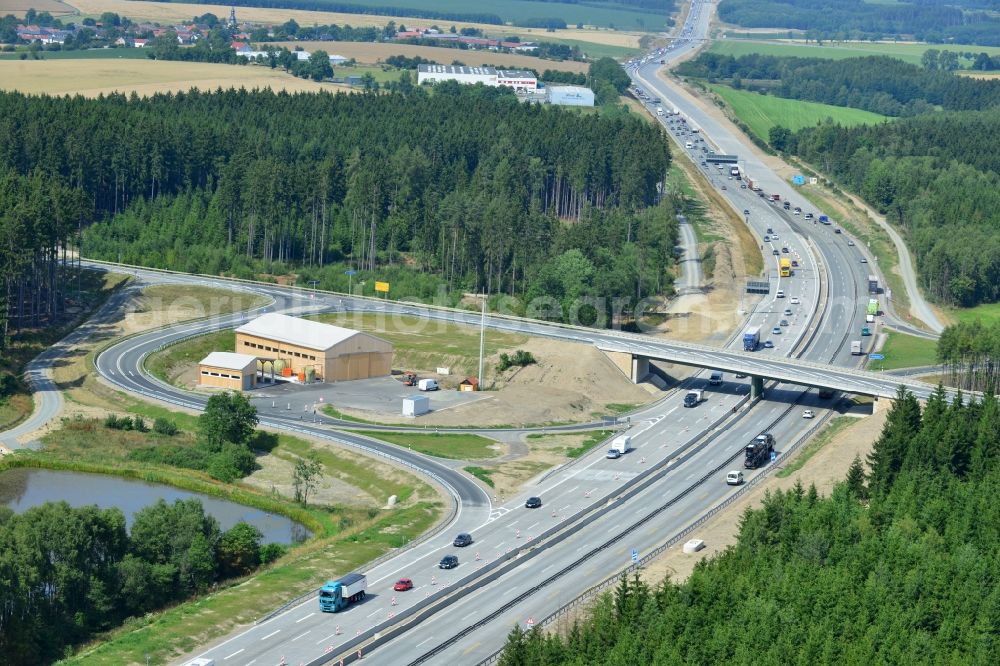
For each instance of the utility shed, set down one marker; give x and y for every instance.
(237, 372)
(333, 353)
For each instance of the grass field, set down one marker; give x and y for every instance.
(165, 12)
(91, 78)
(19, 7)
(988, 313)
(88, 54)
(367, 52)
(905, 351)
(447, 445)
(762, 112)
(910, 53)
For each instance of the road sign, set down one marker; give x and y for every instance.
(382, 286)
(635, 555)
(774, 456)
(876, 357)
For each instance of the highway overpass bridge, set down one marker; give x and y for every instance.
(633, 358)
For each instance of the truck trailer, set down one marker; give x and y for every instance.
(751, 338)
(872, 284)
(337, 595)
(758, 452)
(856, 348)
(872, 307)
(693, 397)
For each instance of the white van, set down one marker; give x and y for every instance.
(734, 478)
(715, 378)
(428, 385)
(688, 145)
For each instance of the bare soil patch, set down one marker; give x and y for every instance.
(825, 469)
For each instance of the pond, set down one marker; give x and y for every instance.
(21, 489)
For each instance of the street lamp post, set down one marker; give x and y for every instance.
(482, 342)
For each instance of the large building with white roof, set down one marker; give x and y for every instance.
(489, 76)
(313, 349)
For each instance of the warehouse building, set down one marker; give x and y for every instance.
(312, 350)
(488, 76)
(237, 372)
(570, 95)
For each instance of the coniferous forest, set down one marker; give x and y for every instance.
(461, 189)
(897, 566)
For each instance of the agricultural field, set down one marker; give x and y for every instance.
(166, 12)
(367, 52)
(144, 77)
(88, 54)
(19, 7)
(762, 112)
(909, 52)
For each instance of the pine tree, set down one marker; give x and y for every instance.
(856, 479)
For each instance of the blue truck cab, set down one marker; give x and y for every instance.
(338, 594)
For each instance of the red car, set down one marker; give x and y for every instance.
(403, 584)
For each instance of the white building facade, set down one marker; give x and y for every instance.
(488, 76)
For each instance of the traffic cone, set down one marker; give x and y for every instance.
(433, 580)
(518, 536)
(394, 601)
(337, 632)
(477, 556)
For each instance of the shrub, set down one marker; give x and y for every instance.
(165, 427)
(520, 358)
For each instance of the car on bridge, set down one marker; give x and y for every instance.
(403, 584)
(533, 503)
(448, 562)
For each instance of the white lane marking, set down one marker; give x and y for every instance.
(304, 618)
(375, 612)
(423, 642)
(277, 631)
(532, 526)
(234, 654)
(301, 635)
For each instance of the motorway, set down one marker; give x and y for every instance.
(681, 452)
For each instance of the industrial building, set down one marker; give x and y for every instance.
(570, 95)
(312, 350)
(227, 370)
(488, 76)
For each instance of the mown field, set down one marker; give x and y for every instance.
(19, 7)
(910, 53)
(166, 12)
(905, 351)
(762, 112)
(367, 52)
(145, 77)
(88, 54)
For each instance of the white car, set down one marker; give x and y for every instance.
(808, 414)
(795, 300)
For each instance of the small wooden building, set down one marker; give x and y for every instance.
(469, 384)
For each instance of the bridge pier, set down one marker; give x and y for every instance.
(756, 387)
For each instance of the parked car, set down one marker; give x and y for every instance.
(533, 503)
(463, 540)
(403, 584)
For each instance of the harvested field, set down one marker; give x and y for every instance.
(145, 77)
(176, 11)
(19, 7)
(366, 52)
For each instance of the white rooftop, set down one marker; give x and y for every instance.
(295, 331)
(228, 360)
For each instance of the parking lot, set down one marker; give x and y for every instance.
(381, 395)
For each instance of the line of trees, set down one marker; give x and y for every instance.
(67, 573)
(244, 183)
(937, 176)
(970, 354)
(894, 567)
(380, 10)
(880, 84)
(857, 19)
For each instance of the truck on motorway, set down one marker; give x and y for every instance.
(622, 443)
(751, 338)
(775, 197)
(872, 306)
(674, 111)
(758, 451)
(338, 594)
(872, 284)
(856, 348)
(693, 397)
(785, 267)
(659, 110)
(869, 319)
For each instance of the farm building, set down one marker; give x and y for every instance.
(489, 76)
(312, 349)
(570, 95)
(228, 370)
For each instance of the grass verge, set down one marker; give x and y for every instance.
(593, 439)
(481, 473)
(906, 351)
(836, 425)
(456, 446)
